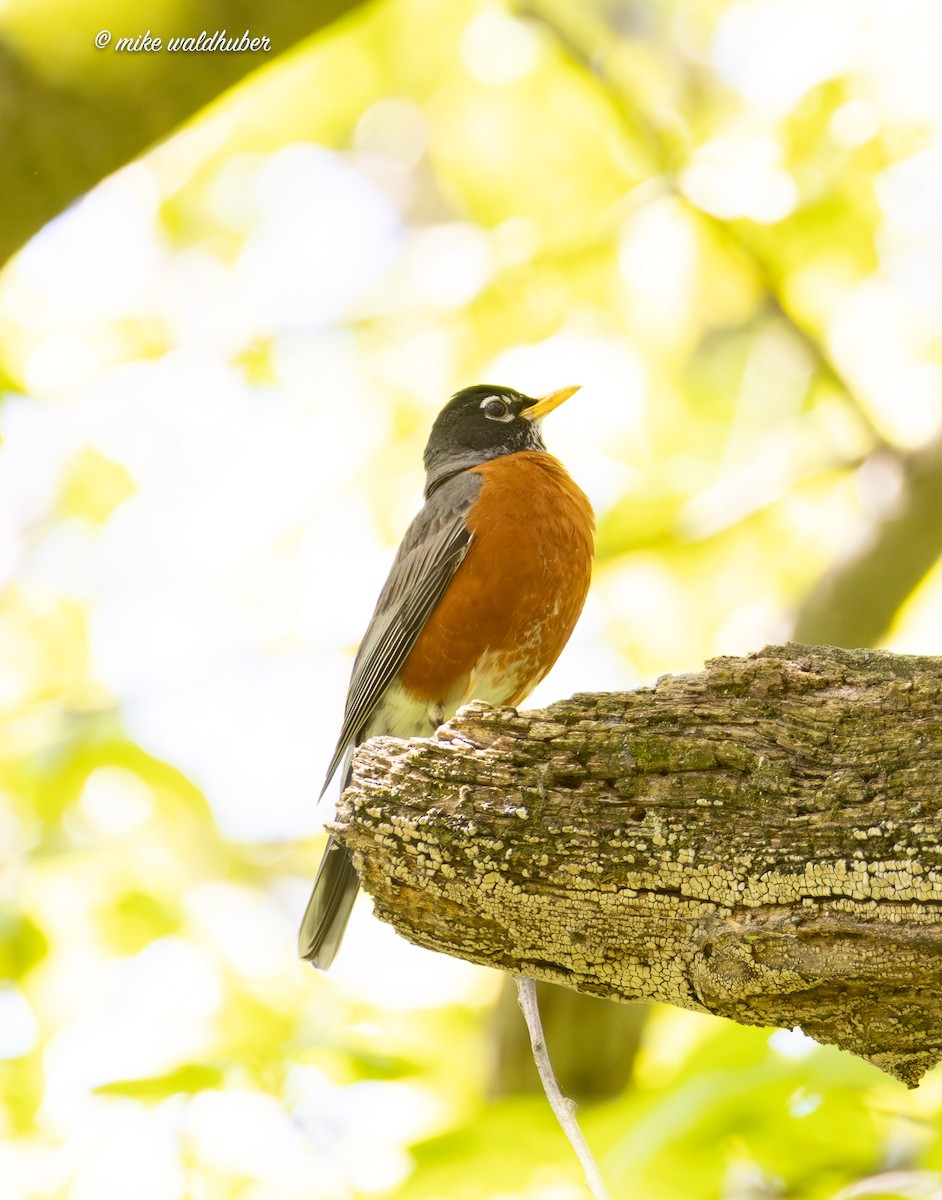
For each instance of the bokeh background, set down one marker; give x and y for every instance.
(218, 367)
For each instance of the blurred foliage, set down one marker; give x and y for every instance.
(72, 111)
(722, 217)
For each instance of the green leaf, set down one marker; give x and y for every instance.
(194, 1077)
(135, 920)
(22, 945)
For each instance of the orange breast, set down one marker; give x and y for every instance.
(514, 600)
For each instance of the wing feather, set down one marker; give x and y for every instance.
(431, 552)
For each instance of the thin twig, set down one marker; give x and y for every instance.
(563, 1108)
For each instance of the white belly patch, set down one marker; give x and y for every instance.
(401, 715)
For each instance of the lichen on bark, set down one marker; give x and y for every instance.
(759, 841)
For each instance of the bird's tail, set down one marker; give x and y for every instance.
(329, 907)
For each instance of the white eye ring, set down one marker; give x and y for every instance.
(500, 410)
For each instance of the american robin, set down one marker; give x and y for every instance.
(483, 594)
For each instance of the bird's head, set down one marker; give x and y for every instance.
(483, 422)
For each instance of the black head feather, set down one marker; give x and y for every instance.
(479, 423)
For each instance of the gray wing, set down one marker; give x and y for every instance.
(431, 551)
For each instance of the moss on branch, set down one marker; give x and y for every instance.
(759, 841)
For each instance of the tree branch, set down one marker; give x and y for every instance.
(855, 602)
(759, 841)
(61, 134)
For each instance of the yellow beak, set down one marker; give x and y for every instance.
(547, 403)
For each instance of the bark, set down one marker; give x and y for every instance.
(759, 841)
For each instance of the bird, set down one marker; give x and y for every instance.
(483, 594)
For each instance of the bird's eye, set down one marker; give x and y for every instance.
(497, 410)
